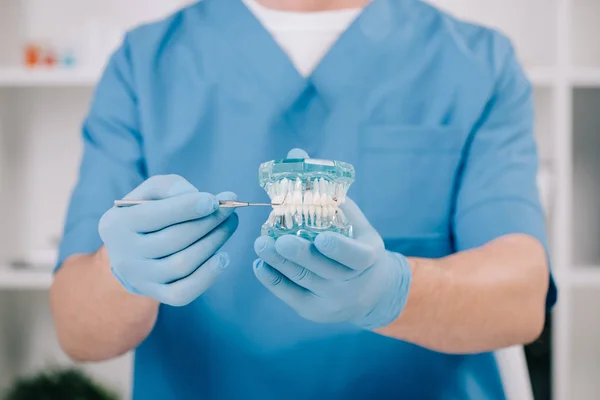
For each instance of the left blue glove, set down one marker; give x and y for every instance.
(337, 279)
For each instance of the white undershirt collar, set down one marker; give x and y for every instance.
(305, 37)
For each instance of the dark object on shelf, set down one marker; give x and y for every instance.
(539, 359)
(22, 264)
(58, 384)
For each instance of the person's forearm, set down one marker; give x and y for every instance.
(96, 318)
(475, 301)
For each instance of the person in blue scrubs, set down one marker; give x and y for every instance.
(448, 262)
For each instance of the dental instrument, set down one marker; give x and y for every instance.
(222, 203)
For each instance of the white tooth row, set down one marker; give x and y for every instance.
(313, 206)
(319, 192)
(310, 215)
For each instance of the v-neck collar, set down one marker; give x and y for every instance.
(359, 46)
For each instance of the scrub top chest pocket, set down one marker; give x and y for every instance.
(406, 179)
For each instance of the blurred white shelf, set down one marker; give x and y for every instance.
(580, 77)
(586, 77)
(40, 77)
(25, 279)
(541, 76)
(587, 277)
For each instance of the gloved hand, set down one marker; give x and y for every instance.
(336, 279)
(166, 249)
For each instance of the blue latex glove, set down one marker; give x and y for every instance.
(167, 249)
(336, 279)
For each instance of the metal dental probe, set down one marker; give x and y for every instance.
(222, 203)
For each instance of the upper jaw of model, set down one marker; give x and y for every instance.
(310, 192)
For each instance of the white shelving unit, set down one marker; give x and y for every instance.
(41, 112)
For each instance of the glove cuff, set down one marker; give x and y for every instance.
(393, 302)
(123, 283)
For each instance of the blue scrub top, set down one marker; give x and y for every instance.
(435, 114)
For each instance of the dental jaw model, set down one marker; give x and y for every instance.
(310, 191)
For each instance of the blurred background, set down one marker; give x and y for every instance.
(53, 52)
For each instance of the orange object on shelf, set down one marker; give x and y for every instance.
(32, 55)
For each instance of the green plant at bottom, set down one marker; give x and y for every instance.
(59, 384)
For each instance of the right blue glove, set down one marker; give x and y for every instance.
(166, 249)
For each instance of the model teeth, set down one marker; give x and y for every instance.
(308, 197)
(314, 203)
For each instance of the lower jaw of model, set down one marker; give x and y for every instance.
(310, 192)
